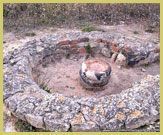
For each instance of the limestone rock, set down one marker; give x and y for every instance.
(114, 56)
(121, 60)
(85, 127)
(106, 52)
(36, 121)
(143, 62)
(39, 49)
(153, 57)
(143, 70)
(93, 44)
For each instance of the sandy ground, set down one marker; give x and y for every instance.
(63, 77)
(13, 40)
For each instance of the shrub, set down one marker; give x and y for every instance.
(88, 28)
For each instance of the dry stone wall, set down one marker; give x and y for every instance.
(132, 108)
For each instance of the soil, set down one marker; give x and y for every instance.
(63, 77)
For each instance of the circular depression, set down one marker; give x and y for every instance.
(132, 108)
(63, 77)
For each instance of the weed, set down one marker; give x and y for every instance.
(92, 55)
(149, 30)
(44, 87)
(123, 126)
(31, 34)
(23, 126)
(136, 32)
(88, 48)
(44, 65)
(89, 51)
(68, 55)
(6, 116)
(44, 20)
(88, 28)
(43, 81)
(9, 52)
(143, 127)
(72, 87)
(87, 56)
(60, 18)
(5, 12)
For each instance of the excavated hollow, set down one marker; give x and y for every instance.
(135, 106)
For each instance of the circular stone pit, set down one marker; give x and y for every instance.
(138, 104)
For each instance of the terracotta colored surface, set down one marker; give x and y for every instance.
(96, 65)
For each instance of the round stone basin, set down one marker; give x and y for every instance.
(95, 74)
(95, 65)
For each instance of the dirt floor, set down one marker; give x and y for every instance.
(63, 77)
(14, 39)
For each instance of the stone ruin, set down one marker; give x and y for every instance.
(133, 107)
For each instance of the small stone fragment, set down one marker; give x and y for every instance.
(99, 40)
(82, 50)
(119, 67)
(114, 56)
(64, 42)
(39, 49)
(106, 52)
(153, 57)
(36, 121)
(74, 41)
(121, 60)
(143, 70)
(84, 40)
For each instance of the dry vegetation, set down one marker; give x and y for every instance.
(76, 15)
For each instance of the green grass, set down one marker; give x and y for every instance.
(44, 65)
(5, 12)
(143, 127)
(68, 55)
(123, 126)
(88, 48)
(44, 87)
(60, 18)
(88, 28)
(23, 126)
(87, 56)
(72, 87)
(89, 51)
